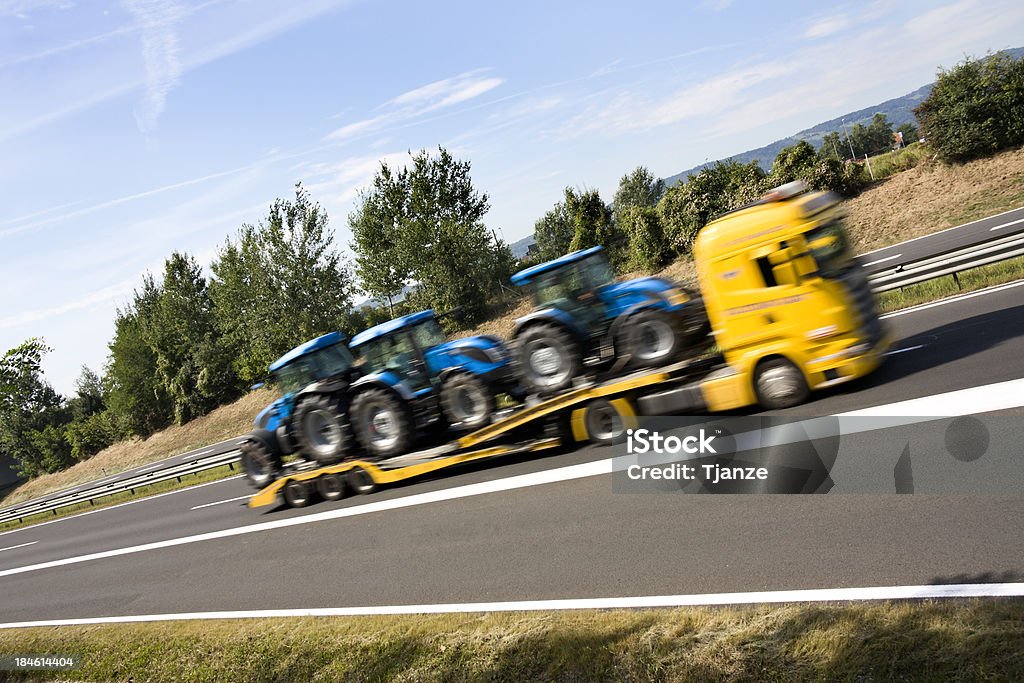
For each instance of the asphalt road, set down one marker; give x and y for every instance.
(555, 540)
(942, 242)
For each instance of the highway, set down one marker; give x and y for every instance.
(942, 242)
(520, 539)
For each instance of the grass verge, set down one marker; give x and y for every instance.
(962, 640)
(145, 491)
(942, 287)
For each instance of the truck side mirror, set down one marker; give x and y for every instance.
(786, 274)
(806, 266)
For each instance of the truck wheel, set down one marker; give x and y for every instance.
(360, 481)
(260, 464)
(603, 422)
(467, 401)
(298, 494)
(779, 384)
(320, 429)
(652, 338)
(331, 486)
(548, 358)
(383, 423)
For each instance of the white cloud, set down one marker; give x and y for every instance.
(419, 101)
(827, 26)
(160, 53)
(22, 8)
(91, 299)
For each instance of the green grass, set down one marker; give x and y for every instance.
(890, 163)
(931, 641)
(125, 496)
(939, 288)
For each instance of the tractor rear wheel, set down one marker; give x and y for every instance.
(383, 423)
(652, 338)
(321, 429)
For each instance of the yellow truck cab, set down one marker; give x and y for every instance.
(789, 305)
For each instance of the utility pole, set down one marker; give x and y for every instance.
(849, 140)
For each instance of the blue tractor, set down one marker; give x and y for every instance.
(584, 319)
(315, 380)
(413, 378)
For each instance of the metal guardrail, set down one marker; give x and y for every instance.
(950, 263)
(902, 275)
(89, 495)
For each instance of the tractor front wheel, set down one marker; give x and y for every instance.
(467, 401)
(548, 358)
(383, 423)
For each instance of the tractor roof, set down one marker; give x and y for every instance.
(329, 339)
(390, 326)
(524, 276)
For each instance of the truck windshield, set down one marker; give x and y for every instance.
(830, 248)
(330, 361)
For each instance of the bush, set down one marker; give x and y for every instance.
(648, 248)
(975, 109)
(91, 435)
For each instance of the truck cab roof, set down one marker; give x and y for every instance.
(390, 327)
(329, 339)
(525, 276)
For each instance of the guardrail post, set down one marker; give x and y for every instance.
(956, 279)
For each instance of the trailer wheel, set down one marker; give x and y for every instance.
(383, 423)
(360, 481)
(548, 358)
(603, 422)
(652, 338)
(331, 486)
(260, 463)
(779, 384)
(467, 401)
(320, 428)
(298, 494)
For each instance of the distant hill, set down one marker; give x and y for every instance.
(899, 111)
(520, 247)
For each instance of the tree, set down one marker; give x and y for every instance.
(592, 224)
(32, 414)
(801, 162)
(833, 147)
(376, 227)
(637, 189)
(277, 284)
(975, 109)
(795, 162)
(648, 249)
(554, 232)
(428, 218)
(910, 133)
(135, 395)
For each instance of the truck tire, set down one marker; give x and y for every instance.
(260, 463)
(467, 401)
(298, 494)
(382, 422)
(603, 422)
(779, 384)
(548, 358)
(651, 338)
(360, 481)
(331, 486)
(320, 428)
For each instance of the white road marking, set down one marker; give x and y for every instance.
(220, 502)
(151, 467)
(962, 590)
(102, 481)
(981, 399)
(1006, 225)
(121, 505)
(882, 260)
(909, 348)
(955, 299)
(18, 546)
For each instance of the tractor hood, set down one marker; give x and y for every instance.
(265, 415)
(654, 286)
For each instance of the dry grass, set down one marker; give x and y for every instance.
(934, 196)
(933, 641)
(223, 423)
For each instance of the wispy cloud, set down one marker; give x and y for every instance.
(160, 54)
(827, 26)
(23, 8)
(419, 101)
(91, 299)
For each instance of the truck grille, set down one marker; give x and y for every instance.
(864, 301)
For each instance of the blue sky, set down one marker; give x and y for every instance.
(131, 129)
